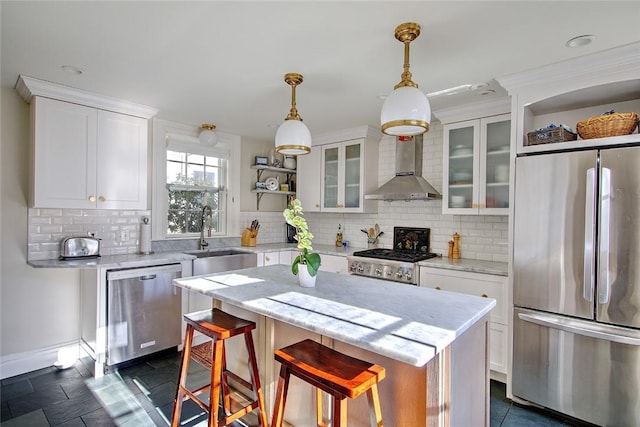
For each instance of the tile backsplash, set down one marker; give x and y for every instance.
(48, 226)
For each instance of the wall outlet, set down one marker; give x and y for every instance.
(124, 235)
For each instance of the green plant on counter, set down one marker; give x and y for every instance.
(295, 217)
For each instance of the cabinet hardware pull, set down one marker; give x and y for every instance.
(474, 206)
(92, 199)
(438, 288)
(101, 198)
(485, 296)
(481, 206)
(267, 259)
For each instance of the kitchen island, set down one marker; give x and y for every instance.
(433, 344)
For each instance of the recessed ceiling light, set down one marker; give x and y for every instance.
(580, 41)
(72, 69)
(478, 86)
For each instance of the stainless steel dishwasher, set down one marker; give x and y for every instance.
(143, 311)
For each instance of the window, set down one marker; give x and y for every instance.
(193, 182)
(186, 176)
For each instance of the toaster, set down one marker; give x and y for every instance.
(79, 247)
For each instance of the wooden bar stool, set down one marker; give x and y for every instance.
(218, 325)
(335, 373)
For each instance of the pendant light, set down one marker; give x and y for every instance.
(293, 136)
(207, 135)
(406, 111)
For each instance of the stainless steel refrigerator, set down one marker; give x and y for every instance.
(576, 337)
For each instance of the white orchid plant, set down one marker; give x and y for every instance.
(295, 217)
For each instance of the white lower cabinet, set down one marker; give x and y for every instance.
(333, 263)
(482, 285)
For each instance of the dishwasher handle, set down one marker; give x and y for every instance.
(144, 273)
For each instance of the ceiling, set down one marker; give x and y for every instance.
(224, 62)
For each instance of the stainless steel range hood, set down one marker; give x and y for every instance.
(408, 184)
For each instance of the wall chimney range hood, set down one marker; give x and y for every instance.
(408, 184)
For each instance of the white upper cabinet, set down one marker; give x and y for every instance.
(308, 180)
(84, 156)
(343, 166)
(477, 166)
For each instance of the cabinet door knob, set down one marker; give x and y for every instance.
(438, 288)
(101, 198)
(317, 205)
(474, 206)
(92, 199)
(267, 259)
(485, 296)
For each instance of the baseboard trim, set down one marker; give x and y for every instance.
(28, 361)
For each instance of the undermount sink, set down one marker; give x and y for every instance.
(206, 253)
(217, 261)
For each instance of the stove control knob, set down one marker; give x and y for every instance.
(360, 268)
(378, 272)
(389, 273)
(408, 277)
(353, 266)
(399, 274)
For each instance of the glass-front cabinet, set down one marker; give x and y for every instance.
(476, 166)
(342, 178)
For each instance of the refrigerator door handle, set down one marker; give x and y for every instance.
(604, 285)
(581, 327)
(589, 236)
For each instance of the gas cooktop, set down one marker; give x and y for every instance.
(395, 255)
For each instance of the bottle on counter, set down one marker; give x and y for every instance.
(339, 236)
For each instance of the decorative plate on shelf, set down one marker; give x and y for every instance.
(272, 184)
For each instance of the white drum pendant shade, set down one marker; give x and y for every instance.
(293, 137)
(406, 111)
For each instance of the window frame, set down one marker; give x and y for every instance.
(166, 133)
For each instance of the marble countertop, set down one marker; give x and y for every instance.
(139, 260)
(406, 323)
(469, 265)
(321, 249)
(114, 261)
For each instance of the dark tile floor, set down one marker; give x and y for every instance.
(142, 395)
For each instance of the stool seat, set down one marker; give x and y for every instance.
(219, 326)
(333, 372)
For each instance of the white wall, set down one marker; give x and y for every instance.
(39, 308)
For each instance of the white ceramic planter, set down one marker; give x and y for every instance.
(304, 278)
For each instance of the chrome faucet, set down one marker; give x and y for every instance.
(206, 211)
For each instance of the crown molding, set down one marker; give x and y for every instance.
(366, 131)
(474, 111)
(623, 62)
(28, 87)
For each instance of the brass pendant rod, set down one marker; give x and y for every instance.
(293, 80)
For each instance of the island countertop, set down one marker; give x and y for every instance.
(403, 322)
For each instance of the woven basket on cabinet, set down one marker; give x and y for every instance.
(607, 125)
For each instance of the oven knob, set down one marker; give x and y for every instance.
(378, 272)
(389, 273)
(408, 277)
(399, 274)
(360, 268)
(353, 266)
